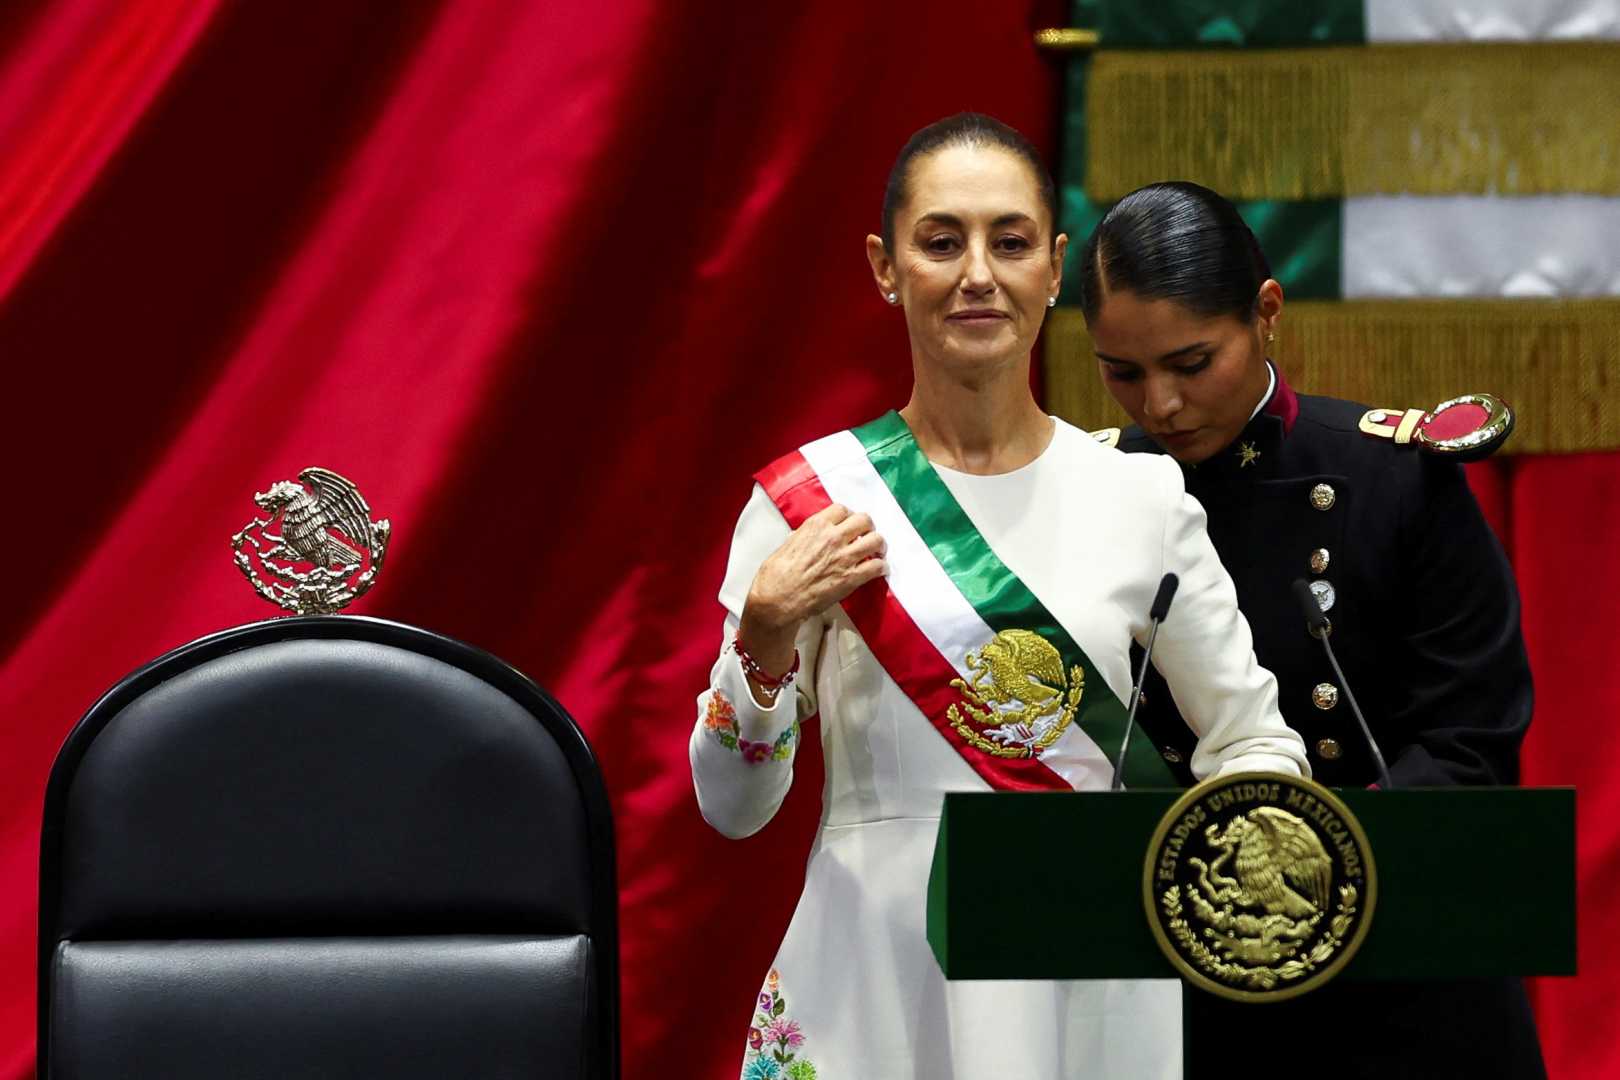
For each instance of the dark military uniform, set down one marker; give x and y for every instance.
(1425, 619)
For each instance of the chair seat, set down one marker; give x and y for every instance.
(435, 1007)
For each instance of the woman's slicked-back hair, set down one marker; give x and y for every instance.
(1174, 241)
(963, 129)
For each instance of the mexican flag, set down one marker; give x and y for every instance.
(1436, 184)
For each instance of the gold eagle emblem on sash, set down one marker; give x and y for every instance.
(1019, 699)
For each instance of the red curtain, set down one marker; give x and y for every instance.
(1565, 522)
(548, 281)
(1559, 518)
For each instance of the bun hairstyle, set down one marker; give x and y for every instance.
(963, 129)
(1174, 241)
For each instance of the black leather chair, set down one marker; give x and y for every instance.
(327, 847)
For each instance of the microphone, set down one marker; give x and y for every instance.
(1321, 628)
(1156, 613)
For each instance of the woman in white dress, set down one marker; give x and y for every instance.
(954, 589)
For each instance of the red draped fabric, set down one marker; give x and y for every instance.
(1564, 520)
(1559, 518)
(548, 281)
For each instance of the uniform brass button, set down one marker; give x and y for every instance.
(1323, 496)
(1173, 756)
(1319, 560)
(1325, 696)
(1328, 749)
(1325, 595)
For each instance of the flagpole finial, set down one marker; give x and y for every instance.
(1066, 39)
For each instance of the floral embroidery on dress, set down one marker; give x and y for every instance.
(720, 721)
(774, 1040)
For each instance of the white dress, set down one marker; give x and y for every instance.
(855, 990)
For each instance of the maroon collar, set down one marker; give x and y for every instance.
(1283, 404)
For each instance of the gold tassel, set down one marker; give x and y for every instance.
(1505, 119)
(1556, 362)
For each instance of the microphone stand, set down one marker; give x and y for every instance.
(1320, 628)
(1157, 613)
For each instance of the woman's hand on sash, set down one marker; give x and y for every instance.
(825, 559)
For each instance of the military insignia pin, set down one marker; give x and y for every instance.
(327, 551)
(1259, 886)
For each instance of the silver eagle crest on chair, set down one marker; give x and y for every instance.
(328, 551)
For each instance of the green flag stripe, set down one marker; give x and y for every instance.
(1304, 241)
(996, 593)
(1077, 213)
(1302, 238)
(1178, 24)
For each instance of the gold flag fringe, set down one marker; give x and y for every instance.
(1453, 119)
(1556, 362)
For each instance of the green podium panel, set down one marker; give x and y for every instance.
(1471, 882)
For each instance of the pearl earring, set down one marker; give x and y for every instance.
(893, 297)
(1051, 301)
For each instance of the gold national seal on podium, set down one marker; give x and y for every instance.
(1259, 886)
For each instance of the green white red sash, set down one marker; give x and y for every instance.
(948, 596)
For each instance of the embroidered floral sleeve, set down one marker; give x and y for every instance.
(720, 722)
(775, 1042)
(741, 751)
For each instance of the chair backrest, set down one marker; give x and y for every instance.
(327, 847)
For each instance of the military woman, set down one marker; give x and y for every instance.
(1372, 509)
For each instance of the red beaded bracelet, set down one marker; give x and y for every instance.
(771, 684)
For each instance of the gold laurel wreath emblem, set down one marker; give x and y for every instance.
(1254, 973)
(324, 525)
(1020, 699)
(1259, 886)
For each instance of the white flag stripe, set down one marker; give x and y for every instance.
(1481, 246)
(921, 585)
(1473, 245)
(1492, 20)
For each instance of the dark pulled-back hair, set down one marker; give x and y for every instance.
(1174, 241)
(963, 129)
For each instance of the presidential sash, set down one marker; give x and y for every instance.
(969, 643)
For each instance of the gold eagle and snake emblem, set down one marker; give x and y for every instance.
(328, 550)
(1019, 698)
(1259, 886)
